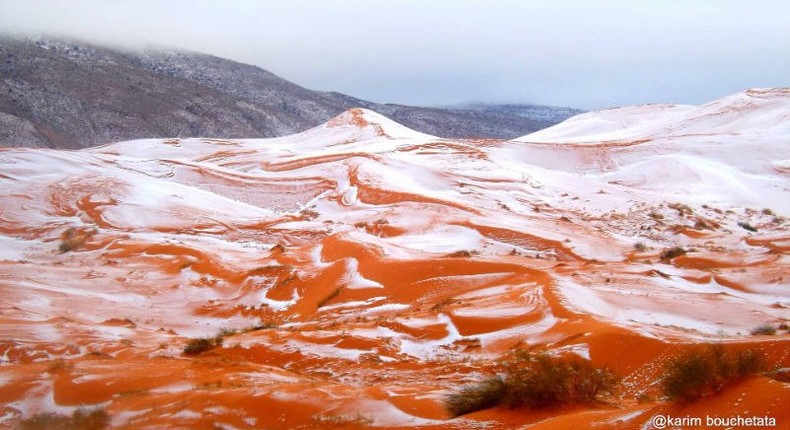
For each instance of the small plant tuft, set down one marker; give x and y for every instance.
(671, 253)
(681, 209)
(764, 329)
(201, 345)
(640, 246)
(747, 226)
(656, 215)
(81, 419)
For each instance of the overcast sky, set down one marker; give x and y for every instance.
(588, 54)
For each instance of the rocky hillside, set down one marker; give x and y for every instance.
(71, 95)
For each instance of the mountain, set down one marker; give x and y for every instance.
(361, 273)
(546, 113)
(62, 94)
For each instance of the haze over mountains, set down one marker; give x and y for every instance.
(65, 94)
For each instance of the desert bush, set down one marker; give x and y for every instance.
(225, 332)
(476, 396)
(201, 345)
(70, 240)
(542, 381)
(681, 208)
(640, 246)
(747, 226)
(73, 239)
(81, 419)
(764, 329)
(261, 326)
(536, 381)
(671, 253)
(703, 371)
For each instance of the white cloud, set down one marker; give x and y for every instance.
(576, 53)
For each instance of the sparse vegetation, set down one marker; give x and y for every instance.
(73, 238)
(201, 345)
(681, 209)
(442, 303)
(476, 396)
(767, 211)
(764, 329)
(747, 226)
(262, 326)
(640, 246)
(671, 253)
(81, 419)
(68, 240)
(342, 421)
(536, 381)
(460, 254)
(703, 371)
(702, 224)
(225, 332)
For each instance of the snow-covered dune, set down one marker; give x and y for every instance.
(361, 270)
(754, 111)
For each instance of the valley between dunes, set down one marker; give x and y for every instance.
(362, 271)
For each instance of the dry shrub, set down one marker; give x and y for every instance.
(74, 238)
(764, 329)
(476, 396)
(542, 381)
(81, 419)
(201, 345)
(536, 381)
(705, 370)
(671, 253)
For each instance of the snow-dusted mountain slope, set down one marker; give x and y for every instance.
(67, 94)
(362, 270)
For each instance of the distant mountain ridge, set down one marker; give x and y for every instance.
(66, 94)
(547, 113)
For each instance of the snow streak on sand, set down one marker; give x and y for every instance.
(359, 270)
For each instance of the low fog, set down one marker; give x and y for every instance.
(576, 53)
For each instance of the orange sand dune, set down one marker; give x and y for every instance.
(355, 275)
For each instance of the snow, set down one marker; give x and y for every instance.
(761, 111)
(427, 349)
(444, 239)
(354, 280)
(185, 238)
(11, 248)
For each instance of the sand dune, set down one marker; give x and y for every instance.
(362, 270)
